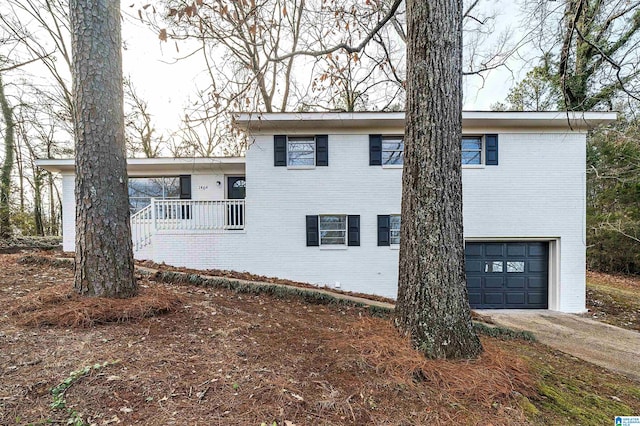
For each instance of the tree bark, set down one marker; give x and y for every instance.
(37, 201)
(104, 257)
(432, 305)
(7, 165)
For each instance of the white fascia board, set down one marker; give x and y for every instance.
(258, 123)
(63, 165)
(142, 165)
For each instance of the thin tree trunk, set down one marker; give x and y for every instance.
(37, 201)
(104, 257)
(20, 167)
(7, 165)
(432, 305)
(53, 222)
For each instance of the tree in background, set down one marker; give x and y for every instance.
(591, 63)
(589, 50)
(533, 93)
(104, 255)
(7, 164)
(140, 133)
(432, 305)
(613, 194)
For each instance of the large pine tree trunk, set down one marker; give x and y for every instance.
(104, 257)
(432, 305)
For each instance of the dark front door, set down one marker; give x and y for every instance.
(236, 190)
(510, 275)
(236, 187)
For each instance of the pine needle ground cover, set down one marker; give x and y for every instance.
(185, 354)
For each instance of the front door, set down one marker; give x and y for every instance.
(236, 187)
(236, 190)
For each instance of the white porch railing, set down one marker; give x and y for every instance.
(187, 215)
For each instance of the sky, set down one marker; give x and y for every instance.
(167, 83)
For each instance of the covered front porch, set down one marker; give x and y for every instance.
(186, 215)
(169, 197)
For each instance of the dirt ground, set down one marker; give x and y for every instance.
(227, 358)
(614, 299)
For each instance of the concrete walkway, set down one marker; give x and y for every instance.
(610, 347)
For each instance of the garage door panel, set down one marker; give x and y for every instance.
(536, 266)
(538, 299)
(507, 275)
(493, 298)
(474, 282)
(473, 249)
(514, 298)
(474, 265)
(494, 282)
(516, 250)
(537, 249)
(536, 283)
(516, 282)
(475, 298)
(494, 250)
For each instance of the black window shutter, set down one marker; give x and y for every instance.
(279, 150)
(384, 223)
(375, 150)
(322, 150)
(491, 150)
(312, 231)
(353, 230)
(185, 187)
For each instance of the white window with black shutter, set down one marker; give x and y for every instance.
(333, 230)
(389, 230)
(301, 152)
(479, 150)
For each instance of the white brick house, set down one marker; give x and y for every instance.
(323, 194)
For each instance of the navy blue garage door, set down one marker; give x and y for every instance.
(507, 275)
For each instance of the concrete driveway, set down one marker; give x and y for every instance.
(605, 345)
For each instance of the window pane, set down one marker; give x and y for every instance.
(517, 267)
(392, 145)
(171, 187)
(333, 230)
(493, 266)
(301, 152)
(301, 146)
(142, 190)
(392, 157)
(471, 144)
(394, 229)
(393, 150)
(471, 157)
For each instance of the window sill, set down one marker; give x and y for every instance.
(392, 166)
(473, 166)
(301, 167)
(333, 247)
(394, 246)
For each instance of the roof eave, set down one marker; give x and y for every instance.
(273, 122)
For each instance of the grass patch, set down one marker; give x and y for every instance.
(503, 333)
(614, 299)
(30, 259)
(571, 393)
(244, 287)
